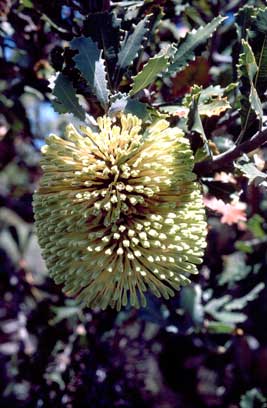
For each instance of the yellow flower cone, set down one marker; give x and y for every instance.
(119, 212)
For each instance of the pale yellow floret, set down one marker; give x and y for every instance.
(118, 213)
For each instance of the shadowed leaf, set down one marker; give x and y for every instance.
(66, 100)
(90, 63)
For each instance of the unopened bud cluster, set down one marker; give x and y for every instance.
(119, 211)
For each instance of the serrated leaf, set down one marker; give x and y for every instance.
(214, 107)
(256, 31)
(224, 309)
(235, 269)
(240, 303)
(185, 52)
(250, 101)
(260, 50)
(194, 124)
(131, 44)
(244, 20)
(66, 100)
(211, 102)
(150, 71)
(104, 29)
(91, 65)
(251, 399)
(250, 171)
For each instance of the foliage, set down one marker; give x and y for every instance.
(166, 58)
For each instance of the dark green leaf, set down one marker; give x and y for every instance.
(244, 20)
(66, 100)
(104, 29)
(131, 44)
(194, 124)
(185, 52)
(90, 63)
(248, 70)
(240, 303)
(251, 398)
(122, 103)
(191, 303)
(154, 66)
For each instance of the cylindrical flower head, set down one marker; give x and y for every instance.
(119, 211)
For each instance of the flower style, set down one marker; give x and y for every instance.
(119, 212)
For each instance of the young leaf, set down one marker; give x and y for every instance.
(150, 71)
(131, 44)
(185, 52)
(91, 65)
(66, 100)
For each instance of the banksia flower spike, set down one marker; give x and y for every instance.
(119, 212)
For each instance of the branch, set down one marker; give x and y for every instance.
(225, 159)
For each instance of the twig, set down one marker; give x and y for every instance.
(225, 159)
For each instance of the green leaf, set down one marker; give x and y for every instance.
(243, 20)
(191, 303)
(244, 246)
(138, 109)
(194, 124)
(131, 44)
(250, 101)
(261, 20)
(104, 29)
(123, 103)
(91, 65)
(255, 225)
(64, 312)
(66, 100)
(250, 171)
(220, 328)
(259, 45)
(253, 89)
(251, 398)
(235, 269)
(224, 309)
(240, 303)
(26, 3)
(185, 52)
(150, 71)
